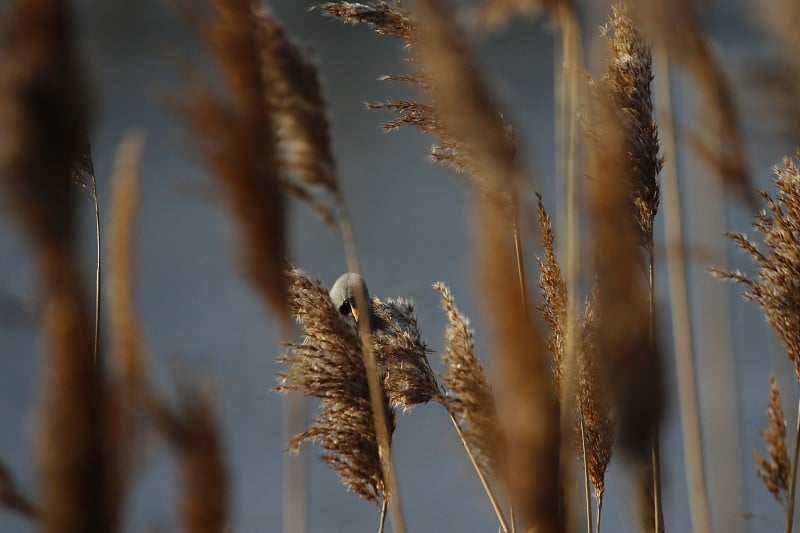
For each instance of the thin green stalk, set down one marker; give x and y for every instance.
(486, 487)
(679, 306)
(376, 396)
(793, 486)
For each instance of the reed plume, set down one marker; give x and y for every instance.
(402, 356)
(495, 14)
(302, 133)
(775, 469)
(677, 30)
(190, 427)
(234, 130)
(470, 403)
(43, 108)
(773, 288)
(328, 365)
(468, 394)
(627, 80)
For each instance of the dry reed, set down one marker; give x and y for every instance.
(43, 106)
(235, 132)
(677, 27)
(468, 394)
(775, 469)
(191, 429)
(328, 365)
(627, 356)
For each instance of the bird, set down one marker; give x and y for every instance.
(343, 294)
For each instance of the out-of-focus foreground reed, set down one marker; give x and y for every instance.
(580, 369)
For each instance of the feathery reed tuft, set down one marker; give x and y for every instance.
(775, 469)
(676, 27)
(191, 429)
(594, 403)
(298, 107)
(328, 365)
(628, 78)
(402, 356)
(774, 287)
(235, 133)
(386, 18)
(554, 302)
(468, 394)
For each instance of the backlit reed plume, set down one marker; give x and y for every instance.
(625, 351)
(527, 404)
(595, 407)
(677, 30)
(294, 95)
(12, 498)
(191, 428)
(628, 79)
(470, 403)
(553, 305)
(774, 287)
(402, 355)
(234, 130)
(775, 469)
(594, 427)
(391, 19)
(328, 365)
(42, 107)
(468, 394)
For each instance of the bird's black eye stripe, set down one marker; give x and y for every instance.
(344, 309)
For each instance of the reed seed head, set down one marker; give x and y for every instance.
(775, 469)
(468, 395)
(775, 287)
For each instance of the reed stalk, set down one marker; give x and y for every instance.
(370, 366)
(682, 328)
(478, 470)
(793, 486)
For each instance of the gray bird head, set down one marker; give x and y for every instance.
(343, 296)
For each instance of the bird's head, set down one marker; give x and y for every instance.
(344, 295)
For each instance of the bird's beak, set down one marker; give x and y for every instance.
(355, 313)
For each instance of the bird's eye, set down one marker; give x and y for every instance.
(344, 309)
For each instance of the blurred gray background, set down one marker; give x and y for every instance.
(412, 225)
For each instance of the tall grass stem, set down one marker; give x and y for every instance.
(485, 482)
(370, 366)
(679, 306)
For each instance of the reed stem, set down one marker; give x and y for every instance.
(655, 448)
(382, 522)
(679, 306)
(523, 285)
(793, 485)
(376, 395)
(486, 487)
(97, 284)
(587, 497)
